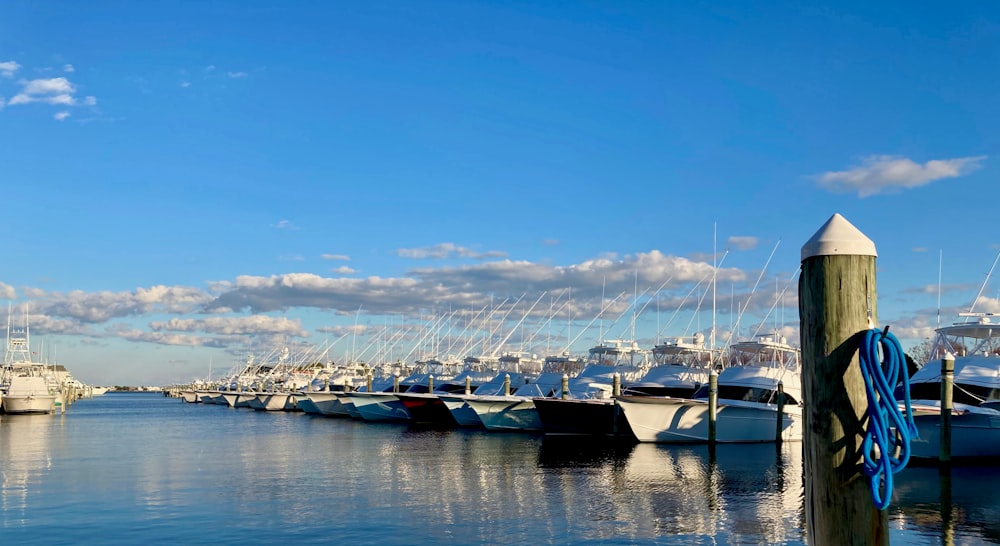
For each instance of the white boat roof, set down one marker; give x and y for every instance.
(976, 335)
(982, 371)
(763, 377)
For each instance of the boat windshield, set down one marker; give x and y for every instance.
(962, 394)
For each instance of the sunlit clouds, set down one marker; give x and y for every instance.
(879, 174)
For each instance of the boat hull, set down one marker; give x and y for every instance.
(582, 417)
(506, 413)
(461, 412)
(379, 406)
(427, 409)
(329, 403)
(677, 420)
(975, 434)
(29, 403)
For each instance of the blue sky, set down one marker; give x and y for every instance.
(185, 181)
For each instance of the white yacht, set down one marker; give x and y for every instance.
(747, 401)
(28, 392)
(975, 421)
(25, 384)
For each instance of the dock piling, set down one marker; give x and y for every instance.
(947, 383)
(713, 404)
(837, 304)
(780, 399)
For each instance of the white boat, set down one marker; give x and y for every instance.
(28, 392)
(384, 405)
(747, 401)
(517, 411)
(458, 403)
(190, 396)
(273, 401)
(429, 408)
(25, 384)
(679, 369)
(975, 421)
(330, 403)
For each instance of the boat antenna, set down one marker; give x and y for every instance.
(940, 259)
(715, 273)
(985, 282)
(600, 326)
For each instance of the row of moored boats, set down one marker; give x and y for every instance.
(624, 392)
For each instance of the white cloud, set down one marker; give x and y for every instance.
(255, 324)
(742, 242)
(56, 91)
(47, 86)
(68, 68)
(441, 251)
(344, 270)
(8, 69)
(235, 75)
(185, 84)
(103, 306)
(284, 224)
(335, 257)
(888, 174)
(7, 292)
(61, 115)
(23, 98)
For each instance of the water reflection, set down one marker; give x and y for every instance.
(960, 506)
(736, 493)
(167, 469)
(25, 459)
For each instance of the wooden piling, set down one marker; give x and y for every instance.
(565, 386)
(837, 303)
(616, 385)
(506, 384)
(395, 382)
(468, 385)
(780, 399)
(368, 382)
(430, 383)
(947, 382)
(713, 404)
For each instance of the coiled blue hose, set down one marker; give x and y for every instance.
(886, 444)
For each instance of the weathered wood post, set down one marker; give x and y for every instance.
(565, 386)
(780, 399)
(837, 297)
(395, 382)
(713, 403)
(368, 382)
(430, 383)
(616, 385)
(947, 381)
(468, 385)
(506, 384)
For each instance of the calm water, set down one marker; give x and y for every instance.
(144, 469)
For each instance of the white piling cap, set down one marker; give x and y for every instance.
(838, 236)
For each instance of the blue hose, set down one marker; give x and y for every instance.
(888, 429)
